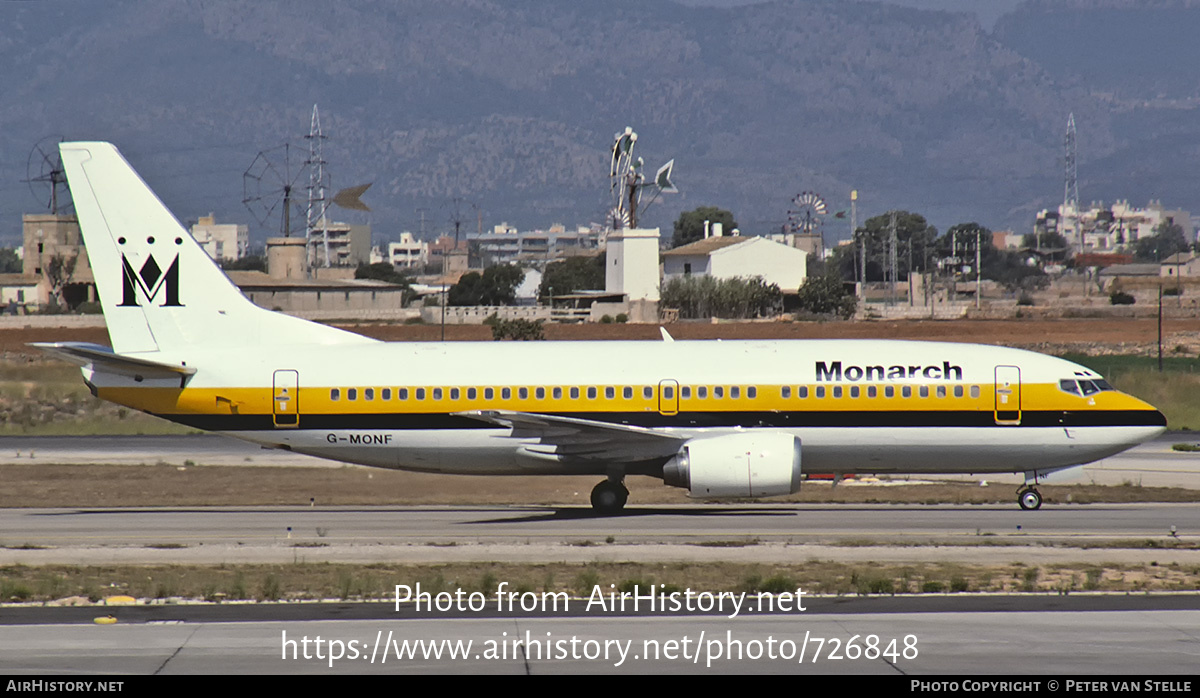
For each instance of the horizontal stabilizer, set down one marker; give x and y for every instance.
(103, 359)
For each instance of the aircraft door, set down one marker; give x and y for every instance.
(1008, 395)
(285, 400)
(668, 397)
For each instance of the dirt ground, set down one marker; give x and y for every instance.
(1047, 334)
(166, 485)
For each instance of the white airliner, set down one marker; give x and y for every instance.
(720, 418)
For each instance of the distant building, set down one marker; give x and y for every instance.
(409, 253)
(47, 236)
(349, 244)
(222, 241)
(536, 248)
(1180, 265)
(728, 257)
(1102, 228)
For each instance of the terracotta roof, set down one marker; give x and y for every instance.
(705, 247)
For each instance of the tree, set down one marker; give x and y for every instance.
(690, 226)
(59, 272)
(573, 274)
(915, 240)
(383, 271)
(703, 296)
(9, 262)
(497, 285)
(1168, 239)
(247, 263)
(827, 295)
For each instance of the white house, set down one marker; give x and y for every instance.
(731, 256)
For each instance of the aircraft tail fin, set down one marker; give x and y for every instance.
(159, 289)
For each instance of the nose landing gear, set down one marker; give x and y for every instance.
(1029, 498)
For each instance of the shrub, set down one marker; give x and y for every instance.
(1121, 298)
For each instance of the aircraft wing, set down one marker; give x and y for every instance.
(102, 358)
(571, 439)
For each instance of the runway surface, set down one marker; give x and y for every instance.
(1153, 464)
(1021, 644)
(750, 532)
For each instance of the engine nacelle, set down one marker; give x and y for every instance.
(753, 464)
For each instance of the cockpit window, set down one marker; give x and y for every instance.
(1084, 387)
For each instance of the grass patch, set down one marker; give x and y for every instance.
(375, 582)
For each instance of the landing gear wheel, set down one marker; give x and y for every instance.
(609, 497)
(1029, 498)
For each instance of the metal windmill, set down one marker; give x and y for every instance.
(627, 181)
(45, 175)
(269, 187)
(808, 208)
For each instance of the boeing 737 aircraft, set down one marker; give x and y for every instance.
(719, 418)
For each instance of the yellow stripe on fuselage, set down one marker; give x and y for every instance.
(223, 401)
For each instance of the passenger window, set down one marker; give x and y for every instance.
(941, 391)
(454, 393)
(906, 391)
(735, 392)
(802, 391)
(752, 392)
(558, 393)
(335, 394)
(437, 393)
(958, 391)
(974, 391)
(702, 392)
(872, 391)
(352, 394)
(837, 391)
(627, 393)
(489, 393)
(685, 392)
(369, 394)
(386, 394)
(592, 393)
(574, 393)
(648, 392)
(668, 392)
(540, 393)
(523, 393)
(506, 393)
(889, 391)
(924, 391)
(785, 392)
(472, 393)
(610, 392)
(820, 391)
(718, 392)
(402, 394)
(854, 391)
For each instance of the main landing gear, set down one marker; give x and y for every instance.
(609, 497)
(1028, 496)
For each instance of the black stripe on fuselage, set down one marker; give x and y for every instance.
(697, 420)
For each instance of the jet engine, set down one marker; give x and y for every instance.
(752, 464)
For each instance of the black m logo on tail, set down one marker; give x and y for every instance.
(150, 280)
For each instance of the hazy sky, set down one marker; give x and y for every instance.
(988, 11)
